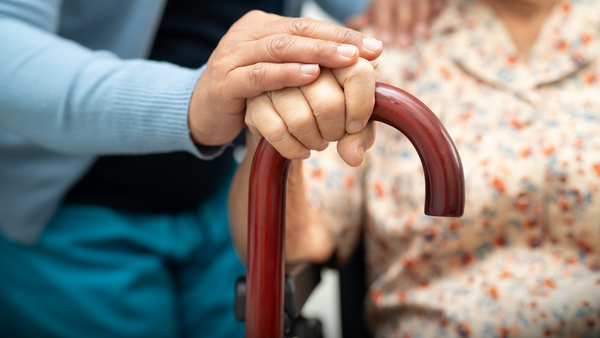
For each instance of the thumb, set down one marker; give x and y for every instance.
(352, 147)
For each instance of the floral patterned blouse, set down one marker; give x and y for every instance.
(524, 260)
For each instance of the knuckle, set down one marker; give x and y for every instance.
(334, 134)
(248, 120)
(256, 76)
(302, 26)
(299, 126)
(254, 107)
(329, 109)
(278, 45)
(255, 13)
(345, 35)
(228, 51)
(367, 68)
(319, 50)
(363, 69)
(276, 132)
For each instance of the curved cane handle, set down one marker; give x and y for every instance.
(444, 196)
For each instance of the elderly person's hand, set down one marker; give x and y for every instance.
(306, 118)
(336, 107)
(265, 52)
(398, 21)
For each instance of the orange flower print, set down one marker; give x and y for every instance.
(589, 78)
(549, 151)
(549, 283)
(464, 330)
(565, 7)
(445, 72)
(525, 153)
(317, 173)
(349, 181)
(596, 168)
(493, 292)
(379, 190)
(467, 259)
(454, 225)
(586, 38)
(516, 124)
(498, 184)
(500, 241)
(511, 59)
(376, 297)
(522, 202)
(585, 247)
(561, 46)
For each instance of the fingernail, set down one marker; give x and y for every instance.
(347, 50)
(323, 147)
(375, 63)
(305, 156)
(354, 127)
(309, 69)
(372, 44)
(421, 30)
(361, 152)
(386, 37)
(404, 40)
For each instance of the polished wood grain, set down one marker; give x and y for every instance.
(445, 196)
(444, 178)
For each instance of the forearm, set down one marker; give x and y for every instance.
(64, 97)
(238, 202)
(307, 235)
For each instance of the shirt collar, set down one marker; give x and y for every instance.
(480, 44)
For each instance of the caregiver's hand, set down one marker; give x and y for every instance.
(265, 52)
(335, 107)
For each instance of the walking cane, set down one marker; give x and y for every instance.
(444, 196)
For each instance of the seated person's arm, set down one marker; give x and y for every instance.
(318, 112)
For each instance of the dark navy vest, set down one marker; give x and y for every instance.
(189, 32)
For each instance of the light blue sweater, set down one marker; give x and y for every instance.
(73, 85)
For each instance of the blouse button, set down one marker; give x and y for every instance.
(520, 272)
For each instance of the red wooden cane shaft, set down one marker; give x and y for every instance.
(266, 243)
(444, 196)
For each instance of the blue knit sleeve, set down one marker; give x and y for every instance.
(66, 98)
(343, 9)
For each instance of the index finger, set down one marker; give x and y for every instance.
(423, 12)
(383, 16)
(368, 47)
(358, 82)
(404, 18)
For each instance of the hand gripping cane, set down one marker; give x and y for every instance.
(444, 196)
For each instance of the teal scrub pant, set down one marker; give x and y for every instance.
(97, 272)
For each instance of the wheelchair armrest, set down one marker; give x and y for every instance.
(300, 281)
